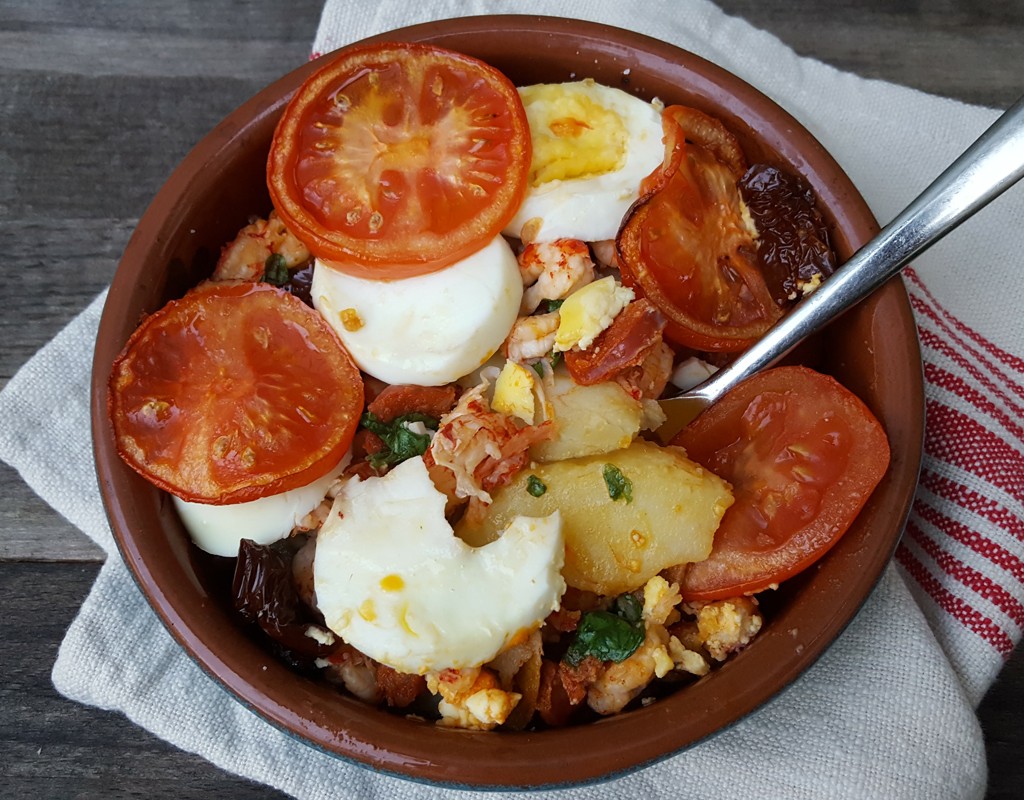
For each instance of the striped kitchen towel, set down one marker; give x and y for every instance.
(888, 711)
(962, 549)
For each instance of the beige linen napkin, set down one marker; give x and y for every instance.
(886, 712)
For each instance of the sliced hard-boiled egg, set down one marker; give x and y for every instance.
(393, 580)
(428, 330)
(592, 145)
(513, 392)
(588, 311)
(219, 529)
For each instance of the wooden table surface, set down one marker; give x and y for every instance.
(98, 102)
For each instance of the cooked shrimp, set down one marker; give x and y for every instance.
(532, 337)
(482, 447)
(530, 264)
(604, 252)
(622, 682)
(648, 380)
(553, 271)
(245, 258)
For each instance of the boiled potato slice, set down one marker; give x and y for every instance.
(588, 420)
(615, 546)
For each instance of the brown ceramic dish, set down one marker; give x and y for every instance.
(873, 350)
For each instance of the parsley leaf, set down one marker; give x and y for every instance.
(618, 484)
(552, 305)
(400, 443)
(275, 270)
(535, 486)
(609, 635)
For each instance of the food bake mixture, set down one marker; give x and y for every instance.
(416, 400)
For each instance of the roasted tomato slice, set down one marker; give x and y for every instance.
(398, 159)
(234, 392)
(803, 455)
(686, 245)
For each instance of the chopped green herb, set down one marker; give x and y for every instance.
(553, 360)
(275, 270)
(553, 305)
(618, 484)
(400, 443)
(609, 635)
(535, 486)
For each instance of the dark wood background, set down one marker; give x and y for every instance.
(98, 102)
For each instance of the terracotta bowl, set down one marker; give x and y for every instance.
(873, 350)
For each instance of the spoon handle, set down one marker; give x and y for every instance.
(986, 169)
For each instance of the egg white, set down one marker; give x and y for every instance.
(218, 529)
(592, 208)
(393, 580)
(428, 330)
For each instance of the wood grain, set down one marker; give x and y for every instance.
(98, 102)
(57, 749)
(966, 50)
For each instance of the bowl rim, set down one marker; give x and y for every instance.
(527, 763)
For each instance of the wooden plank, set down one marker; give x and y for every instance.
(957, 48)
(31, 530)
(95, 52)
(57, 749)
(98, 102)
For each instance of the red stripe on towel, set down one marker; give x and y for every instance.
(956, 438)
(956, 607)
(974, 502)
(977, 358)
(982, 386)
(1007, 359)
(977, 582)
(972, 539)
(939, 377)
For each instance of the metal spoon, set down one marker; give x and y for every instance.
(986, 169)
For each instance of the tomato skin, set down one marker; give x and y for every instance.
(803, 455)
(685, 245)
(395, 400)
(236, 391)
(634, 333)
(398, 159)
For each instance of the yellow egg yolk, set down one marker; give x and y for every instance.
(573, 135)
